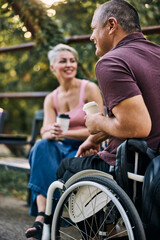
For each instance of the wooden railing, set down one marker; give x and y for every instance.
(74, 39)
(24, 95)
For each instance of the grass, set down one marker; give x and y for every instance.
(13, 183)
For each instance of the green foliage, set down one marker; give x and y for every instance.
(148, 11)
(13, 183)
(23, 71)
(74, 18)
(46, 31)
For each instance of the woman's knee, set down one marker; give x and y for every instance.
(40, 145)
(41, 142)
(38, 149)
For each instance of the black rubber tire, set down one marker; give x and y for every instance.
(122, 197)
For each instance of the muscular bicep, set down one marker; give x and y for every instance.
(132, 119)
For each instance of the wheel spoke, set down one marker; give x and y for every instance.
(95, 210)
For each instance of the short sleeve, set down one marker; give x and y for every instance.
(116, 80)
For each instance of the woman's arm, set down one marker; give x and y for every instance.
(78, 134)
(51, 130)
(49, 118)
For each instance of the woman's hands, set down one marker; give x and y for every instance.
(52, 131)
(56, 131)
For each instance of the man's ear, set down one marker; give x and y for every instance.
(52, 68)
(112, 24)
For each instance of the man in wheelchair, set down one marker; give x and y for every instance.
(128, 76)
(129, 79)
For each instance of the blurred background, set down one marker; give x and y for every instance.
(43, 24)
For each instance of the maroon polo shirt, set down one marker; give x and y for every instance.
(130, 69)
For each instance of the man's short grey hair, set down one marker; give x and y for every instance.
(125, 14)
(52, 54)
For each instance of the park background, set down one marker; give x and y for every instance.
(28, 21)
(46, 23)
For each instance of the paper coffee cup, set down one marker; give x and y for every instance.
(90, 108)
(63, 121)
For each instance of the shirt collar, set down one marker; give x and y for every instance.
(129, 38)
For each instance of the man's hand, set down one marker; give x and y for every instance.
(87, 148)
(93, 122)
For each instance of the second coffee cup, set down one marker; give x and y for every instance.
(90, 108)
(63, 121)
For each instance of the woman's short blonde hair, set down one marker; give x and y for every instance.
(52, 54)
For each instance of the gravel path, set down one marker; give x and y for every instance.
(14, 218)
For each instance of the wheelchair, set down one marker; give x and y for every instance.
(94, 206)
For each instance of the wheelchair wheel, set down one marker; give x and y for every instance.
(95, 207)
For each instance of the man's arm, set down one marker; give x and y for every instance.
(92, 144)
(131, 120)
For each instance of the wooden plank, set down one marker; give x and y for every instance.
(73, 39)
(20, 47)
(24, 95)
(17, 164)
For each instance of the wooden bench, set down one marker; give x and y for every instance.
(3, 118)
(21, 163)
(14, 163)
(22, 140)
(17, 164)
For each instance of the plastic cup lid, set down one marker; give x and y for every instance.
(63, 116)
(90, 104)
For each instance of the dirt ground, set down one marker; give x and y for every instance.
(14, 218)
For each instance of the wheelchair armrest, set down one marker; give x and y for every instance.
(135, 177)
(127, 160)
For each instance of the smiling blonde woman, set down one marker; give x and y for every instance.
(69, 98)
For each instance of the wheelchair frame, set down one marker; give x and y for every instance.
(117, 197)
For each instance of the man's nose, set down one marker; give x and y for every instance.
(91, 37)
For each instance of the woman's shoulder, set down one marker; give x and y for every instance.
(50, 95)
(86, 83)
(90, 85)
